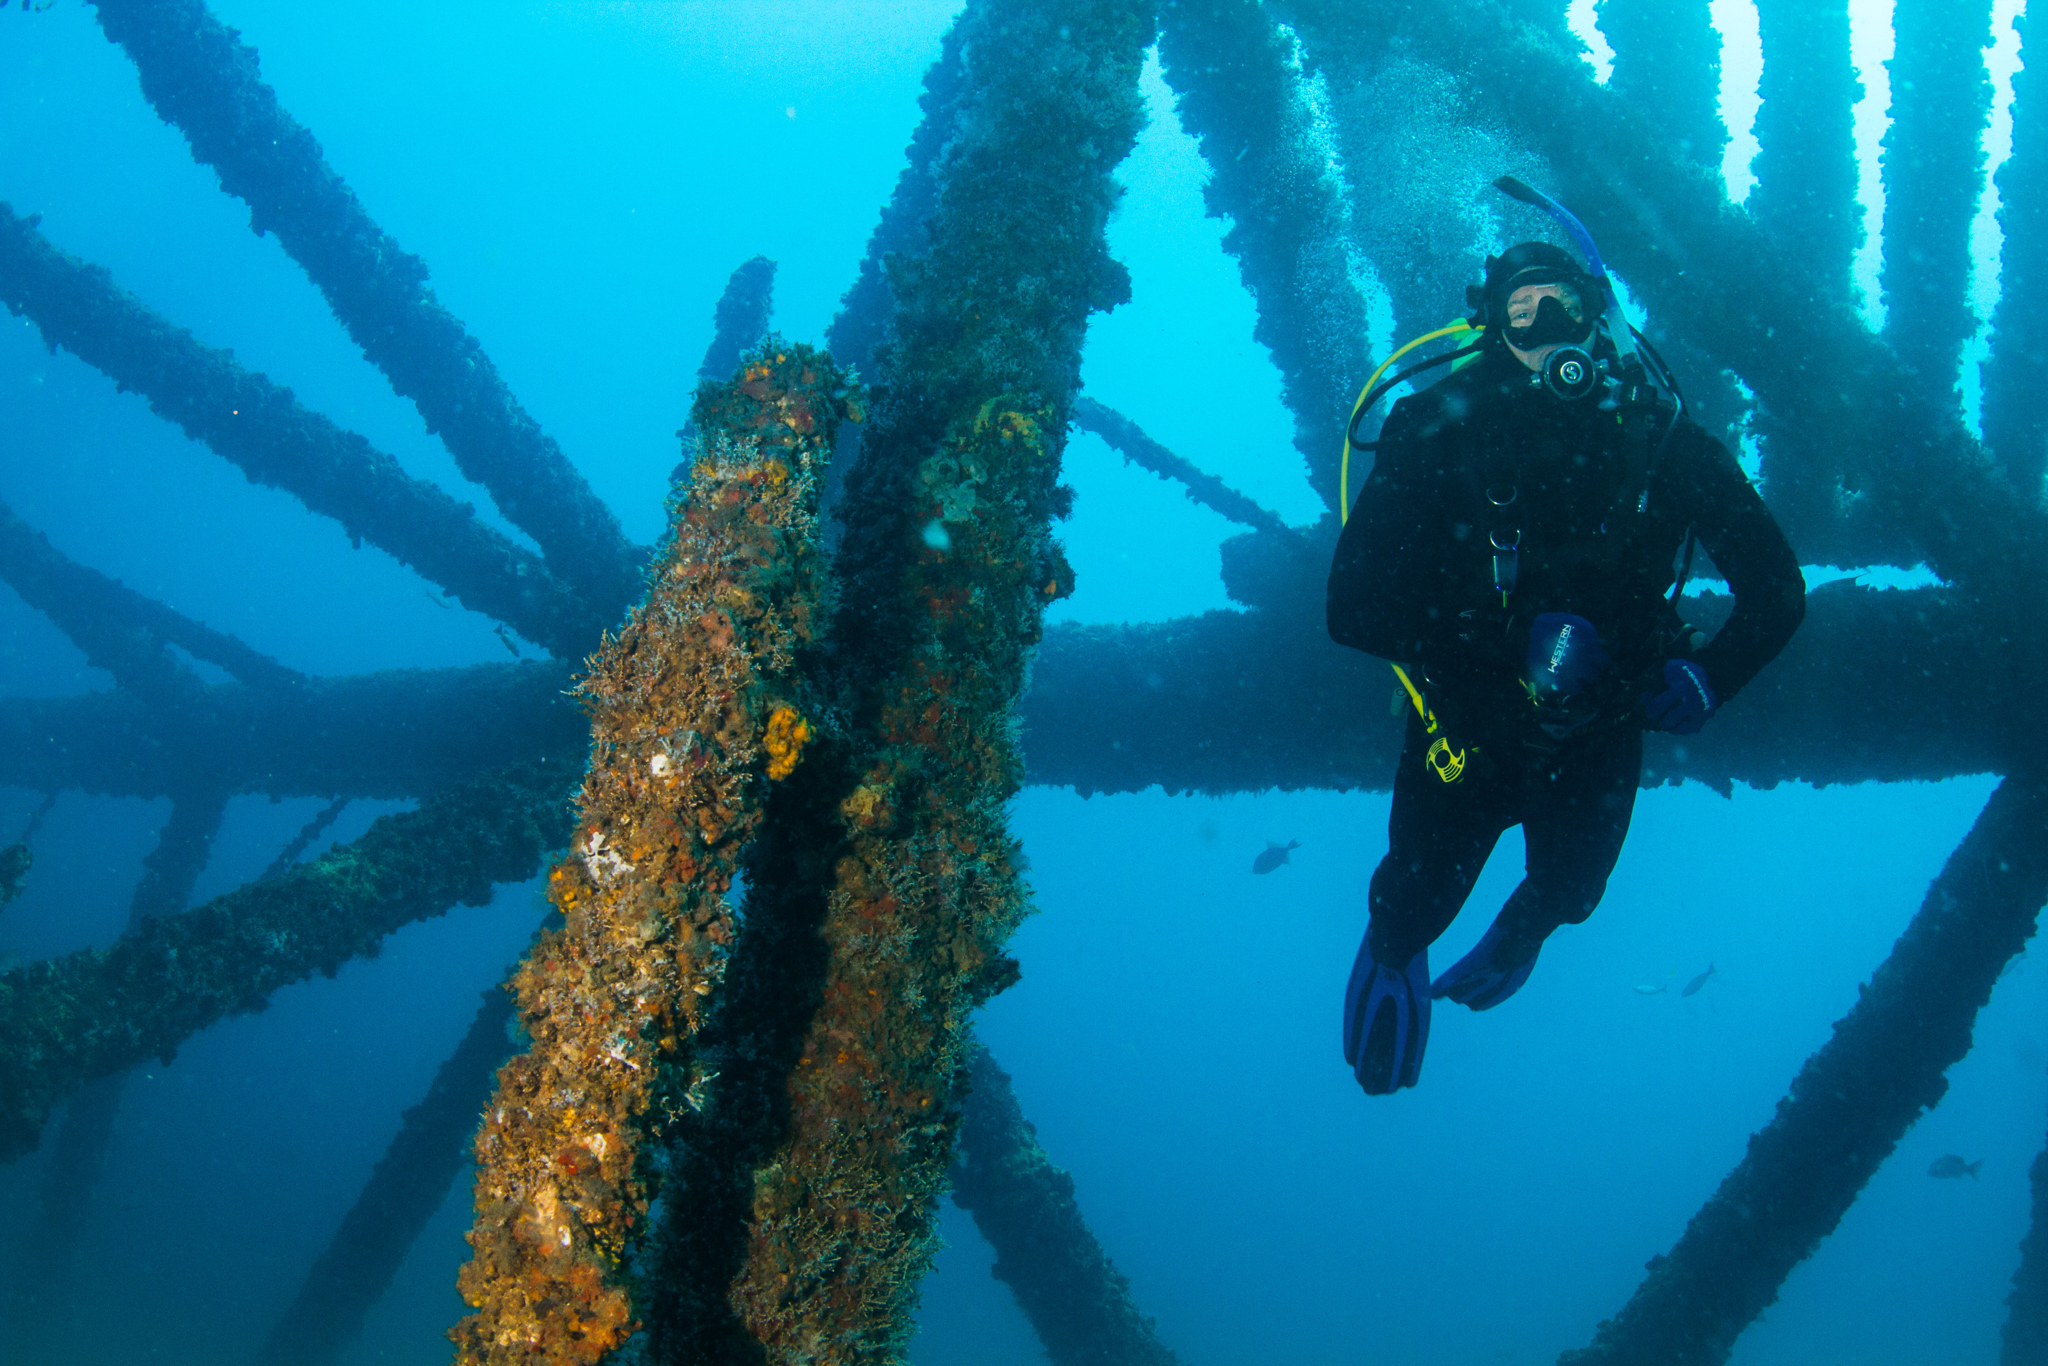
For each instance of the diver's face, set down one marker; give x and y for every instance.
(1522, 306)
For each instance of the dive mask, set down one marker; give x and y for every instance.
(1552, 324)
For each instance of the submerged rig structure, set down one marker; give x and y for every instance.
(722, 1136)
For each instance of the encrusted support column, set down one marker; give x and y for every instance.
(66, 1021)
(1667, 62)
(404, 1191)
(696, 709)
(203, 80)
(886, 883)
(863, 319)
(1886, 1065)
(1933, 177)
(266, 433)
(740, 321)
(2015, 400)
(1077, 1301)
(1805, 193)
(1237, 88)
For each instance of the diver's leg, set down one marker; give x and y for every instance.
(1575, 817)
(1438, 838)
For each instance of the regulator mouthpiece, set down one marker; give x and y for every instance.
(1569, 373)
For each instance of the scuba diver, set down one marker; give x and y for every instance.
(1514, 552)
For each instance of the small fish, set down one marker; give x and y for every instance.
(1275, 855)
(1692, 988)
(505, 640)
(436, 599)
(1949, 1167)
(1657, 990)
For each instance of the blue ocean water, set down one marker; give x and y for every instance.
(581, 178)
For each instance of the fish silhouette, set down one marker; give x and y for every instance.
(1275, 855)
(1950, 1166)
(1657, 990)
(1692, 988)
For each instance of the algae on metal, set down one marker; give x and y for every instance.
(808, 1222)
(696, 707)
(66, 1021)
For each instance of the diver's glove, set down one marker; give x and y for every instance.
(1686, 702)
(1386, 1021)
(1490, 973)
(1565, 659)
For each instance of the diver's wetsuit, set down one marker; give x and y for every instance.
(1414, 581)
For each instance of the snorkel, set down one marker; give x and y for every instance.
(1618, 329)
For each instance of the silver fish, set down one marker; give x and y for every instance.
(1692, 988)
(505, 640)
(1657, 990)
(1275, 855)
(1950, 1166)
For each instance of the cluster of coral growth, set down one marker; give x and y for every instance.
(693, 710)
(946, 568)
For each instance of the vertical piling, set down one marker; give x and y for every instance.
(1933, 176)
(1805, 191)
(2015, 400)
(886, 883)
(694, 713)
(1237, 88)
(1667, 62)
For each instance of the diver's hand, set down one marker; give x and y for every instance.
(1686, 702)
(1565, 657)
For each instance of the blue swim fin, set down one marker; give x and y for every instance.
(1386, 1021)
(1486, 976)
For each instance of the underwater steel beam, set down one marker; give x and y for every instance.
(698, 709)
(2015, 400)
(119, 629)
(66, 1021)
(1866, 692)
(274, 440)
(1077, 1301)
(1933, 170)
(1667, 62)
(739, 322)
(405, 1189)
(1128, 439)
(1238, 91)
(1804, 198)
(1884, 1067)
(1245, 701)
(393, 734)
(862, 323)
(886, 882)
(203, 80)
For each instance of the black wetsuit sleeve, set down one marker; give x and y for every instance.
(1750, 550)
(1403, 558)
